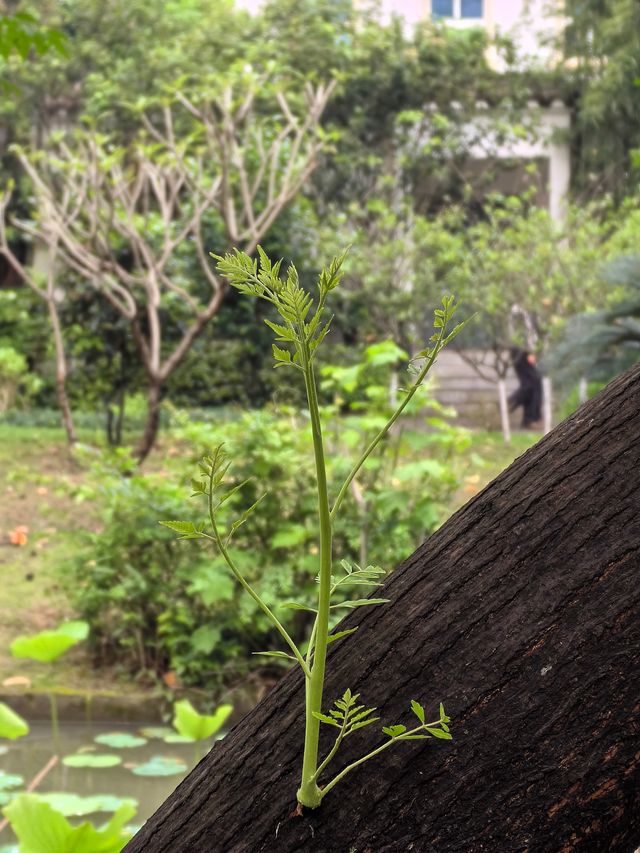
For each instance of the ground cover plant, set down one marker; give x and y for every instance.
(303, 326)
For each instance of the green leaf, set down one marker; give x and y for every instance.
(440, 734)
(88, 759)
(293, 605)
(362, 723)
(41, 829)
(276, 655)
(205, 638)
(186, 529)
(340, 634)
(394, 731)
(418, 710)
(12, 725)
(443, 716)
(245, 515)
(190, 723)
(289, 537)
(324, 719)
(281, 355)
(360, 602)
(49, 645)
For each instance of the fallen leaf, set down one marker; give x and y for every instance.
(19, 535)
(170, 679)
(473, 478)
(42, 490)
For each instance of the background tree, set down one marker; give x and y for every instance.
(123, 217)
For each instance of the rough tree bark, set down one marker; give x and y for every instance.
(521, 614)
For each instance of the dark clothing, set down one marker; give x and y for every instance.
(529, 394)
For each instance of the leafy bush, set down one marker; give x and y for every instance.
(16, 383)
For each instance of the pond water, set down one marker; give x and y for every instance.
(28, 755)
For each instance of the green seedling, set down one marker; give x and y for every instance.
(302, 329)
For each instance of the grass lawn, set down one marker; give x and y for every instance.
(41, 490)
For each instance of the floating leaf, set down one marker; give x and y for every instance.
(174, 737)
(120, 740)
(156, 731)
(77, 805)
(197, 726)
(91, 760)
(12, 725)
(159, 765)
(10, 780)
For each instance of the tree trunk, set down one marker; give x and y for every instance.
(521, 615)
(152, 425)
(61, 373)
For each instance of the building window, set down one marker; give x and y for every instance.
(442, 8)
(473, 9)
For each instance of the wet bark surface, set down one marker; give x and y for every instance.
(521, 615)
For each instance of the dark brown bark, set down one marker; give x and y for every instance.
(521, 614)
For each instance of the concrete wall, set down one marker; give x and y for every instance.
(475, 399)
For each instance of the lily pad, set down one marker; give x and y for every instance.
(89, 760)
(12, 725)
(9, 780)
(120, 740)
(160, 765)
(156, 732)
(74, 804)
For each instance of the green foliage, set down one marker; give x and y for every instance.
(16, 383)
(601, 344)
(41, 829)
(189, 723)
(12, 725)
(22, 33)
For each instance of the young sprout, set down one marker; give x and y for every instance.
(302, 327)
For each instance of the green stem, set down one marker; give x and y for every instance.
(394, 417)
(308, 793)
(245, 585)
(55, 730)
(390, 742)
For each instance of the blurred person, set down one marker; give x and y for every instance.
(529, 393)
